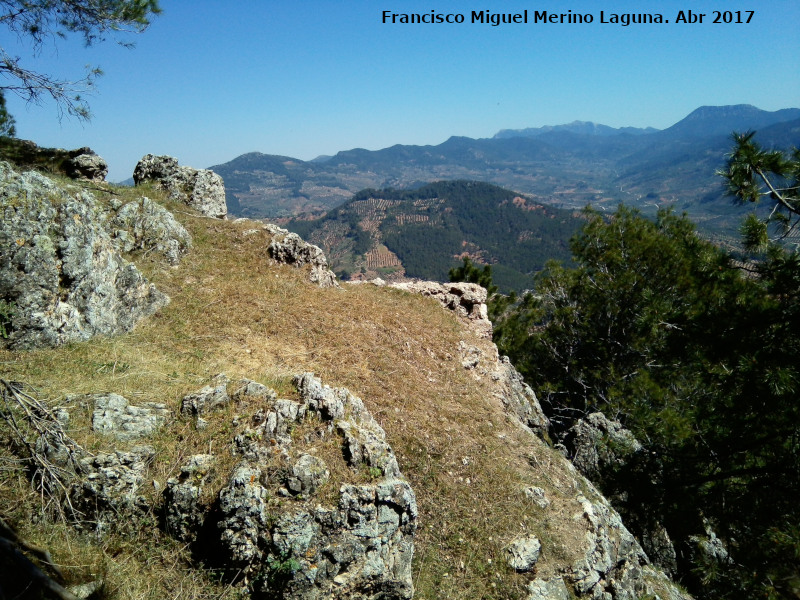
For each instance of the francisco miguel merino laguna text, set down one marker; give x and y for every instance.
(569, 17)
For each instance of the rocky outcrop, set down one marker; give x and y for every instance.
(291, 249)
(184, 512)
(612, 563)
(84, 163)
(110, 485)
(597, 444)
(360, 547)
(115, 417)
(60, 271)
(467, 300)
(519, 399)
(147, 226)
(523, 553)
(201, 189)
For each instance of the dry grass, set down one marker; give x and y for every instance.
(233, 311)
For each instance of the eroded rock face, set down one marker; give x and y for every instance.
(146, 225)
(518, 398)
(60, 269)
(291, 249)
(598, 443)
(201, 189)
(467, 300)
(268, 518)
(85, 164)
(114, 416)
(110, 484)
(184, 513)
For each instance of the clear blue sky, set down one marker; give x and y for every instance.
(209, 81)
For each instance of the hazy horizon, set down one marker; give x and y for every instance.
(208, 82)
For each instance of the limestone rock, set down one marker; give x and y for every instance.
(183, 513)
(519, 399)
(307, 475)
(244, 526)
(467, 300)
(548, 589)
(523, 553)
(537, 496)
(85, 164)
(613, 558)
(146, 225)
(361, 548)
(109, 485)
(207, 399)
(291, 249)
(598, 443)
(113, 416)
(60, 269)
(201, 189)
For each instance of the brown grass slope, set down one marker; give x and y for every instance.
(235, 311)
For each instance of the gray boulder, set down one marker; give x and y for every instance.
(60, 269)
(85, 164)
(291, 249)
(201, 189)
(523, 553)
(148, 226)
(360, 548)
(598, 443)
(113, 416)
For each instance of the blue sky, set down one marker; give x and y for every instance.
(209, 81)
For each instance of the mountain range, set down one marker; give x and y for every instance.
(567, 166)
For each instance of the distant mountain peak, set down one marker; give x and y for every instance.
(576, 127)
(722, 120)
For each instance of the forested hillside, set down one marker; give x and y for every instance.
(697, 355)
(425, 232)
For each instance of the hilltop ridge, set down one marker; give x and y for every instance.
(426, 442)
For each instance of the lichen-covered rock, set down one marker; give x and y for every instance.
(291, 249)
(60, 269)
(85, 164)
(361, 548)
(207, 399)
(114, 416)
(467, 300)
(523, 553)
(184, 514)
(598, 443)
(308, 474)
(146, 225)
(613, 558)
(109, 486)
(537, 496)
(548, 589)
(201, 189)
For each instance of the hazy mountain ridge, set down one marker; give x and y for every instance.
(580, 127)
(560, 167)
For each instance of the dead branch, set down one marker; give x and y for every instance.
(30, 421)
